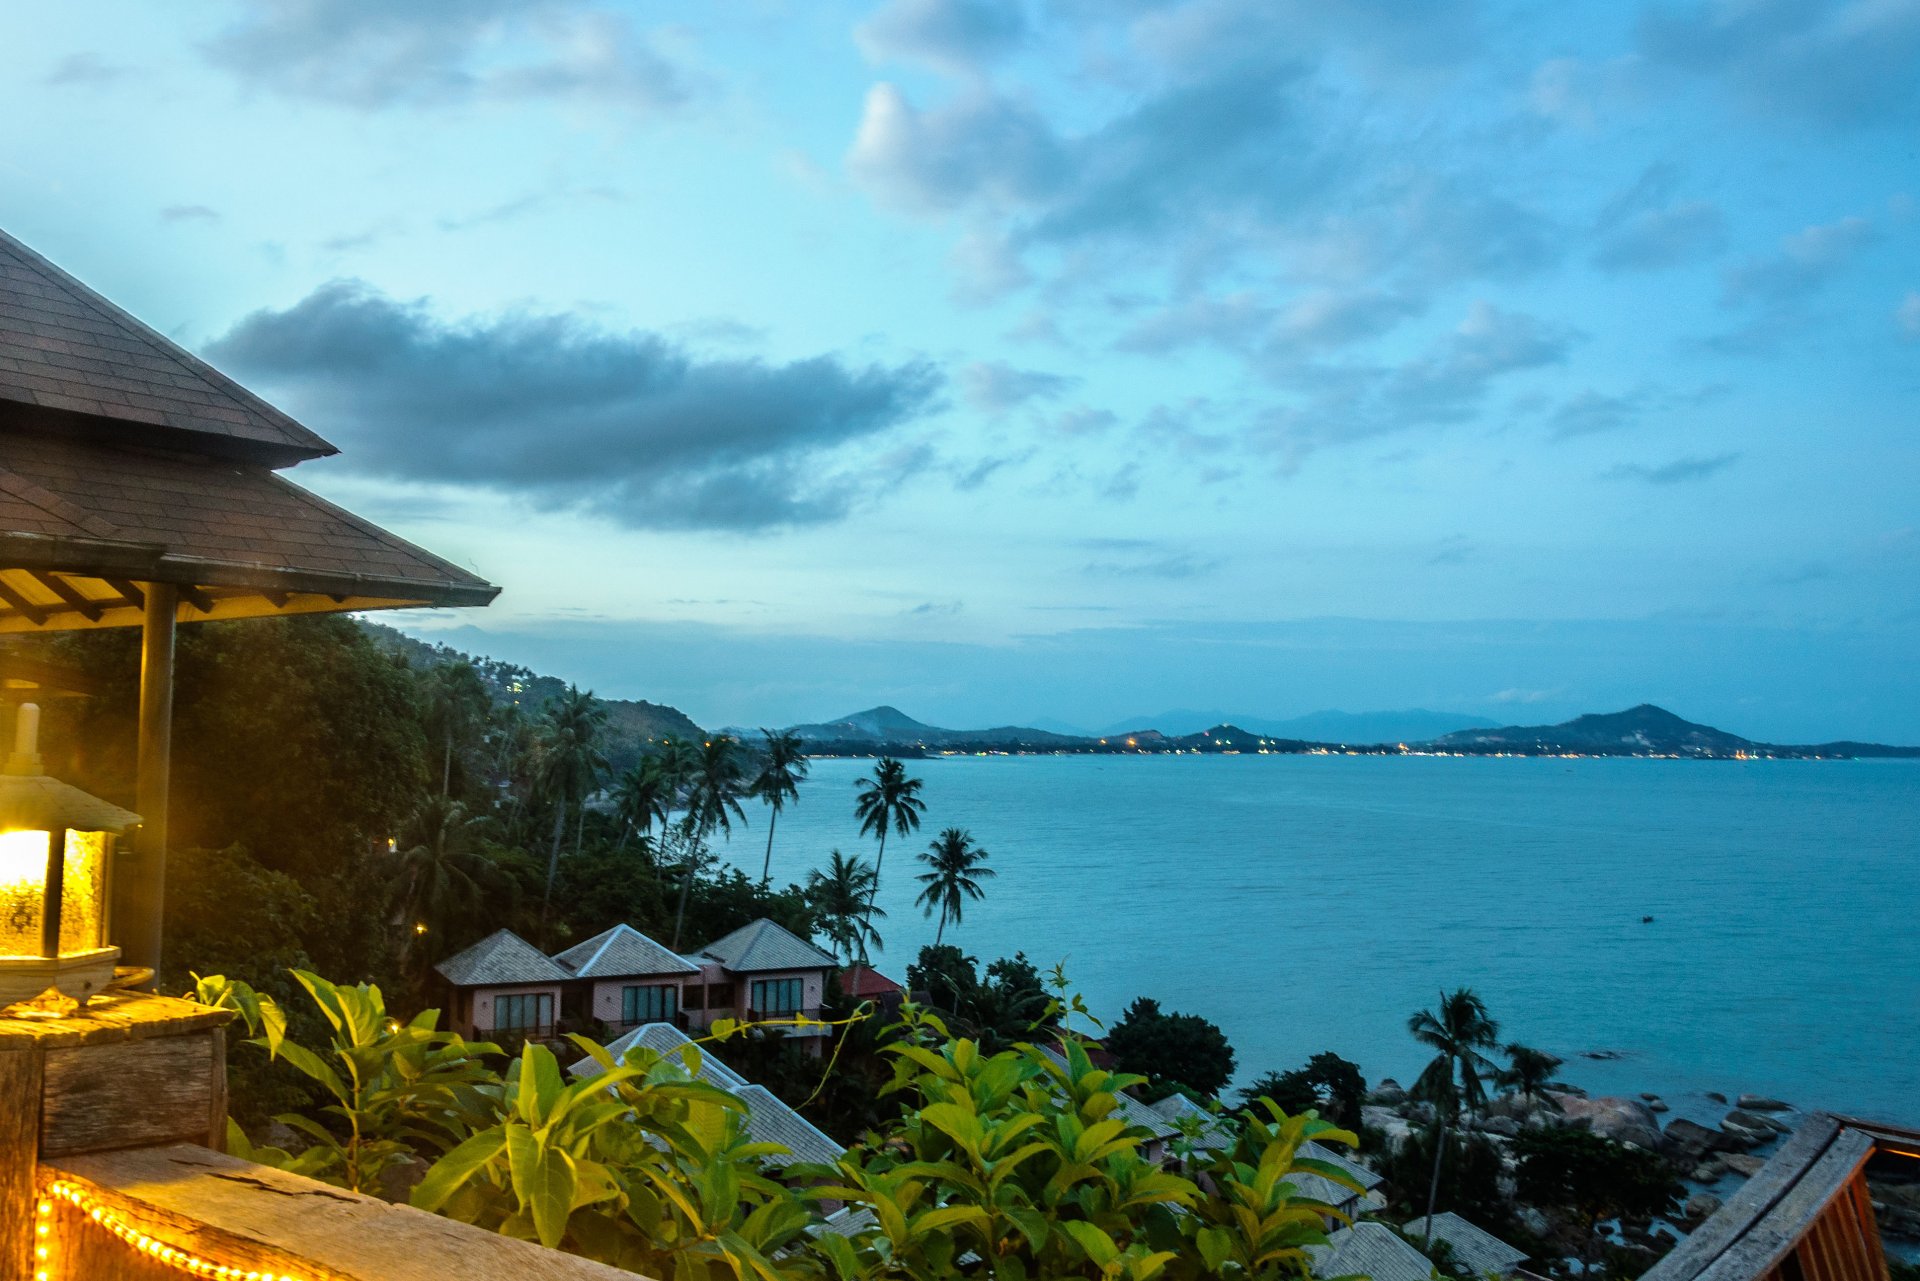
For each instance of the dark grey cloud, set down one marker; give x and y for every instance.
(1591, 413)
(995, 387)
(1679, 471)
(628, 425)
(189, 213)
(957, 35)
(1835, 62)
(1803, 263)
(371, 54)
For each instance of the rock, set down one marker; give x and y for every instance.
(1691, 1141)
(1623, 1120)
(1505, 1126)
(1761, 1103)
(1760, 1124)
(1744, 1136)
(1648, 1098)
(1700, 1207)
(1389, 1093)
(1419, 1113)
(1716, 1096)
(1394, 1129)
(1708, 1171)
(1657, 1105)
(1744, 1164)
(1603, 1056)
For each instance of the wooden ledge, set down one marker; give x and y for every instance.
(117, 1016)
(238, 1213)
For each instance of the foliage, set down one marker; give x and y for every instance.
(1470, 1176)
(1008, 1005)
(783, 765)
(1529, 1072)
(956, 866)
(839, 897)
(887, 800)
(1593, 1177)
(1172, 1051)
(1018, 1158)
(1327, 1082)
(1457, 1030)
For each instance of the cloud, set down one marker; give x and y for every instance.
(1582, 94)
(1679, 471)
(1667, 237)
(1834, 62)
(980, 147)
(1590, 413)
(87, 69)
(1907, 315)
(627, 425)
(524, 206)
(1172, 566)
(955, 35)
(189, 213)
(371, 54)
(994, 387)
(1452, 380)
(1804, 262)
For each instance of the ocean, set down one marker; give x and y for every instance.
(1311, 903)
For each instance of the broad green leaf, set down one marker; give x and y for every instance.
(453, 1170)
(543, 1180)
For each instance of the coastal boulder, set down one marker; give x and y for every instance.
(1504, 1126)
(1744, 1164)
(1390, 1124)
(1744, 1136)
(1760, 1124)
(1700, 1207)
(1708, 1170)
(1691, 1141)
(1760, 1103)
(1611, 1117)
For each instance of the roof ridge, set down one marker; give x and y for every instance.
(123, 320)
(601, 951)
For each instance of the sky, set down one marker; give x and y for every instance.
(1065, 360)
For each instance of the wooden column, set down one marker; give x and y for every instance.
(142, 884)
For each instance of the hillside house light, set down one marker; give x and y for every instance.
(56, 853)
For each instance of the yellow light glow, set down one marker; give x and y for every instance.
(23, 889)
(184, 1260)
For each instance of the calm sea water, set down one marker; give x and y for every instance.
(1313, 903)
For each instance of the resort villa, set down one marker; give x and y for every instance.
(504, 987)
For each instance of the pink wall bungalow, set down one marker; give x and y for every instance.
(505, 988)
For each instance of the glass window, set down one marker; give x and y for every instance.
(523, 1012)
(656, 1004)
(778, 996)
(718, 996)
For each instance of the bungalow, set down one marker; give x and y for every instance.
(1350, 1204)
(1369, 1250)
(1475, 1250)
(622, 979)
(759, 972)
(864, 983)
(504, 987)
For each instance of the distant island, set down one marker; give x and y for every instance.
(1643, 731)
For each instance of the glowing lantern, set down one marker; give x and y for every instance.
(56, 854)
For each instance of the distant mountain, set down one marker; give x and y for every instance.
(889, 726)
(1412, 725)
(1641, 730)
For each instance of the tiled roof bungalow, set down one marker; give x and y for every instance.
(503, 986)
(1474, 1248)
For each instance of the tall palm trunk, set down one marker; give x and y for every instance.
(553, 864)
(1433, 1188)
(766, 868)
(686, 885)
(446, 766)
(942, 931)
(878, 862)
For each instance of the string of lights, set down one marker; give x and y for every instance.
(184, 1261)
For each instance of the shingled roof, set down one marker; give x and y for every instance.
(622, 952)
(771, 1120)
(1369, 1250)
(502, 959)
(68, 357)
(762, 946)
(1474, 1248)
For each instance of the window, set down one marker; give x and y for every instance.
(525, 1012)
(717, 996)
(778, 996)
(649, 1004)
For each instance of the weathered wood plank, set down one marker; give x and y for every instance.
(1770, 1237)
(1702, 1246)
(232, 1210)
(116, 1016)
(217, 1103)
(19, 1132)
(131, 1094)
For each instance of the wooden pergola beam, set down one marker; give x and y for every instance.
(129, 593)
(37, 614)
(89, 610)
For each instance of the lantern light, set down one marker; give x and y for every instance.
(56, 854)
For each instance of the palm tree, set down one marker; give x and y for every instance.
(569, 767)
(1529, 1072)
(888, 799)
(840, 896)
(778, 782)
(645, 795)
(1457, 1030)
(715, 784)
(439, 877)
(457, 704)
(958, 867)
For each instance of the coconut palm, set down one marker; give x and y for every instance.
(957, 866)
(439, 877)
(1529, 1072)
(888, 799)
(569, 767)
(781, 772)
(1458, 1029)
(457, 704)
(839, 897)
(643, 796)
(714, 785)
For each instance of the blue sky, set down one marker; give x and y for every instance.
(1068, 359)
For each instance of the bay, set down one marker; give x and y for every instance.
(1313, 903)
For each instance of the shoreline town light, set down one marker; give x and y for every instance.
(56, 854)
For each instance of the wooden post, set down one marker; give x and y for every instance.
(143, 890)
(19, 1157)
